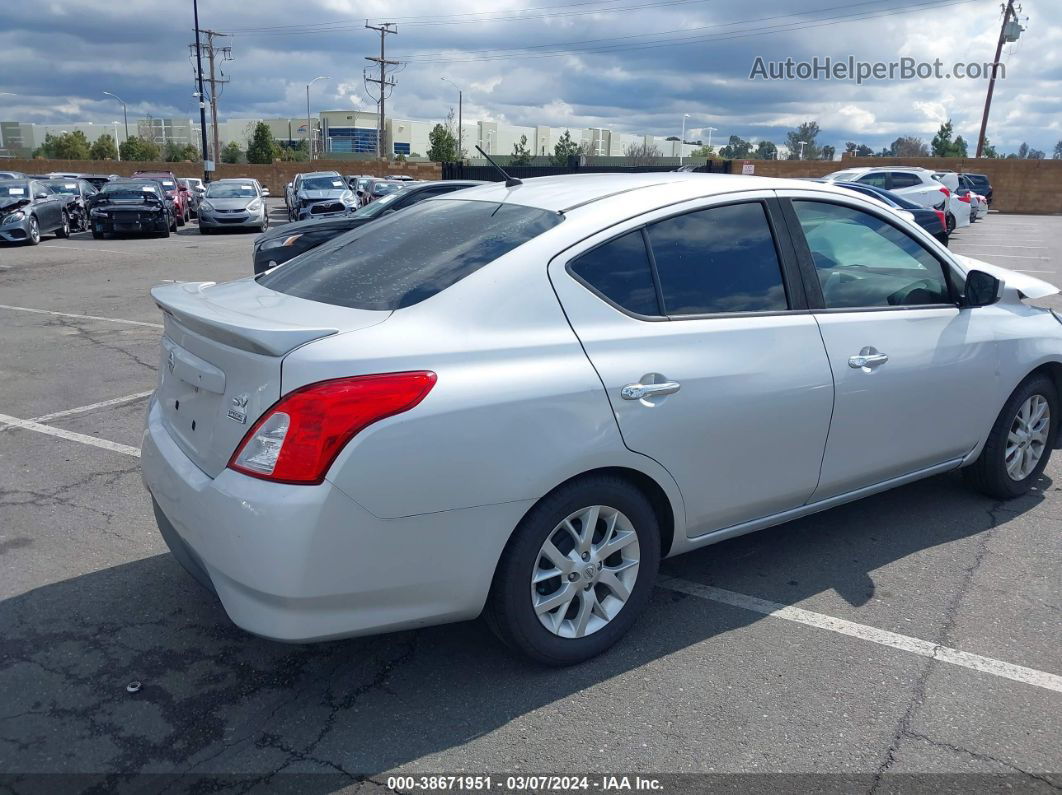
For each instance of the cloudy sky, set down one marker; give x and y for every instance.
(630, 65)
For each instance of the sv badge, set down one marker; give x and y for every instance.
(238, 412)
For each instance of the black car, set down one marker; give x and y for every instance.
(95, 180)
(131, 205)
(979, 184)
(284, 242)
(933, 221)
(77, 193)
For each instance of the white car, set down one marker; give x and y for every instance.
(960, 203)
(919, 185)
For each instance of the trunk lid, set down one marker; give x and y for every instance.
(222, 351)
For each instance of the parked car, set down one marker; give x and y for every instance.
(469, 406)
(6, 175)
(915, 184)
(233, 204)
(29, 209)
(193, 194)
(978, 202)
(378, 188)
(96, 180)
(319, 195)
(176, 195)
(933, 221)
(132, 205)
(981, 184)
(400, 178)
(78, 192)
(281, 244)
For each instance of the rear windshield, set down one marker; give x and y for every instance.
(403, 259)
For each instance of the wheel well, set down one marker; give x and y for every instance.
(1054, 371)
(665, 516)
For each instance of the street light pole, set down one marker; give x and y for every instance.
(802, 144)
(119, 151)
(460, 118)
(125, 113)
(682, 140)
(309, 127)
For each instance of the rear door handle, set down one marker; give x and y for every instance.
(640, 391)
(867, 359)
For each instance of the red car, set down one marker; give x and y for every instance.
(175, 192)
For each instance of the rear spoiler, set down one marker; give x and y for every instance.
(241, 319)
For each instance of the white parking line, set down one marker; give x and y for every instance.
(89, 249)
(923, 648)
(30, 425)
(92, 407)
(82, 317)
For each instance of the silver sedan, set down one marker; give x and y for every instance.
(233, 203)
(517, 400)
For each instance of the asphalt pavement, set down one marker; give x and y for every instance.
(915, 632)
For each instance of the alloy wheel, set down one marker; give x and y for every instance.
(1027, 439)
(34, 231)
(585, 571)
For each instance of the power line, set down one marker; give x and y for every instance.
(212, 53)
(698, 39)
(383, 82)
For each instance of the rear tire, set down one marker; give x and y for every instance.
(605, 591)
(1013, 458)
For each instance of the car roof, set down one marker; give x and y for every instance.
(567, 192)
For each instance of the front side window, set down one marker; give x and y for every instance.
(864, 261)
(721, 259)
(620, 271)
(409, 257)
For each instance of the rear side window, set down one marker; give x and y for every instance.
(902, 179)
(406, 258)
(721, 259)
(620, 271)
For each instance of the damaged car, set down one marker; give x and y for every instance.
(29, 209)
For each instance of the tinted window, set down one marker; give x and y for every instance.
(403, 259)
(620, 271)
(876, 178)
(408, 200)
(863, 261)
(718, 260)
(904, 179)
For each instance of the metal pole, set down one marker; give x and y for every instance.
(309, 127)
(202, 104)
(682, 140)
(460, 126)
(992, 80)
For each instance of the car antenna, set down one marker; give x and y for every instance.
(510, 182)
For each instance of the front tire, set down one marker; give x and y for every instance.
(577, 572)
(64, 230)
(950, 219)
(34, 236)
(1019, 445)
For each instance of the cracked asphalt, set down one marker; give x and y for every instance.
(91, 600)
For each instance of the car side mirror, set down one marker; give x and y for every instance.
(289, 186)
(982, 289)
(41, 196)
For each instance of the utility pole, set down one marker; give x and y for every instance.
(213, 53)
(1005, 34)
(383, 81)
(207, 165)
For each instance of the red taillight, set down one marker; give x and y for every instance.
(942, 219)
(297, 440)
(945, 191)
(965, 198)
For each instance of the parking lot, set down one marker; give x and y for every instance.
(918, 631)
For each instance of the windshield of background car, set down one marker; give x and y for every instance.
(323, 183)
(14, 190)
(377, 207)
(384, 188)
(131, 190)
(63, 186)
(411, 256)
(219, 190)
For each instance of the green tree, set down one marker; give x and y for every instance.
(138, 148)
(943, 145)
(1057, 154)
(230, 153)
(827, 153)
(521, 154)
(262, 148)
(641, 154)
(443, 148)
(564, 149)
(907, 146)
(703, 151)
(765, 150)
(67, 146)
(736, 149)
(806, 132)
(103, 148)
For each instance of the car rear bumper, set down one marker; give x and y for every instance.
(306, 563)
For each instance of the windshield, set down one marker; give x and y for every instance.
(231, 190)
(59, 186)
(130, 190)
(383, 188)
(406, 258)
(324, 183)
(377, 207)
(14, 190)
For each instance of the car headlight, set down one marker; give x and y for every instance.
(14, 217)
(280, 242)
(347, 197)
(205, 205)
(255, 205)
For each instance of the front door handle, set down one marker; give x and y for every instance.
(867, 359)
(640, 391)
